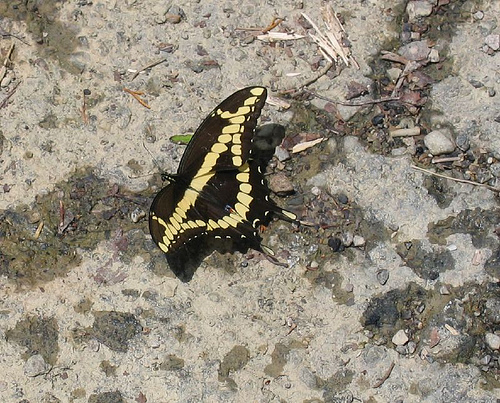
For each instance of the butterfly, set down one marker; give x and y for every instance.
(219, 189)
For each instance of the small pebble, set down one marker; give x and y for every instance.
(35, 365)
(6, 81)
(433, 56)
(281, 153)
(394, 73)
(463, 142)
(411, 347)
(493, 341)
(347, 238)
(417, 50)
(335, 244)
(493, 41)
(280, 184)
(418, 9)
(402, 350)
(421, 308)
(443, 290)
(358, 241)
(342, 198)
(438, 142)
(383, 276)
(316, 191)
(137, 215)
(349, 287)
(400, 338)
(478, 15)
(485, 360)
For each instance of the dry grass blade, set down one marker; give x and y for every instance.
(278, 36)
(493, 189)
(331, 41)
(3, 71)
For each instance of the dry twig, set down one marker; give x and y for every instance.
(3, 104)
(385, 377)
(408, 132)
(331, 42)
(85, 116)
(3, 70)
(7, 34)
(149, 66)
(39, 230)
(360, 103)
(493, 189)
(274, 23)
(136, 95)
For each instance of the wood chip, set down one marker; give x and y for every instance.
(451, 329)
(279, 36)
(307, 144)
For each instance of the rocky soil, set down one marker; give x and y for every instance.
(391, 292)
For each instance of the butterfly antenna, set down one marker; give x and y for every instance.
(155, 162)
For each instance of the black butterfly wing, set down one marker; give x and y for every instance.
(233, 204)
(223, 140)
(217, 189)
(240, 200)
(172, 220)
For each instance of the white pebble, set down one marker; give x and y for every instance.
(358, 241)
(439, 142)
(493, 341)
(400, 338)
(417, 9)
(36, 365)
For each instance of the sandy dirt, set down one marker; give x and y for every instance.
(407, 310)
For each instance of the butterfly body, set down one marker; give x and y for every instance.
(218, 190)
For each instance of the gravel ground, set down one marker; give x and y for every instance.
(390, 294)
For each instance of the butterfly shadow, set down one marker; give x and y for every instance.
(188, 259)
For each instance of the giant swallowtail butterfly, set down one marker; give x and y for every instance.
(219, 188)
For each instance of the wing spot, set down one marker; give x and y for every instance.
(225, 138)
(251, 101)
(257, 91)
(218, 148)
(231, 129)
(237, 161)
(238, 119)
(243, 177)
(181, 212)
(246, 187)
(242, 210)
(244, 198)
(223, 224)
(236, 149)
(242, 110)
(175, 224)
(237, 138)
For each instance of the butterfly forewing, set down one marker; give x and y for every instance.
(223, 140)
